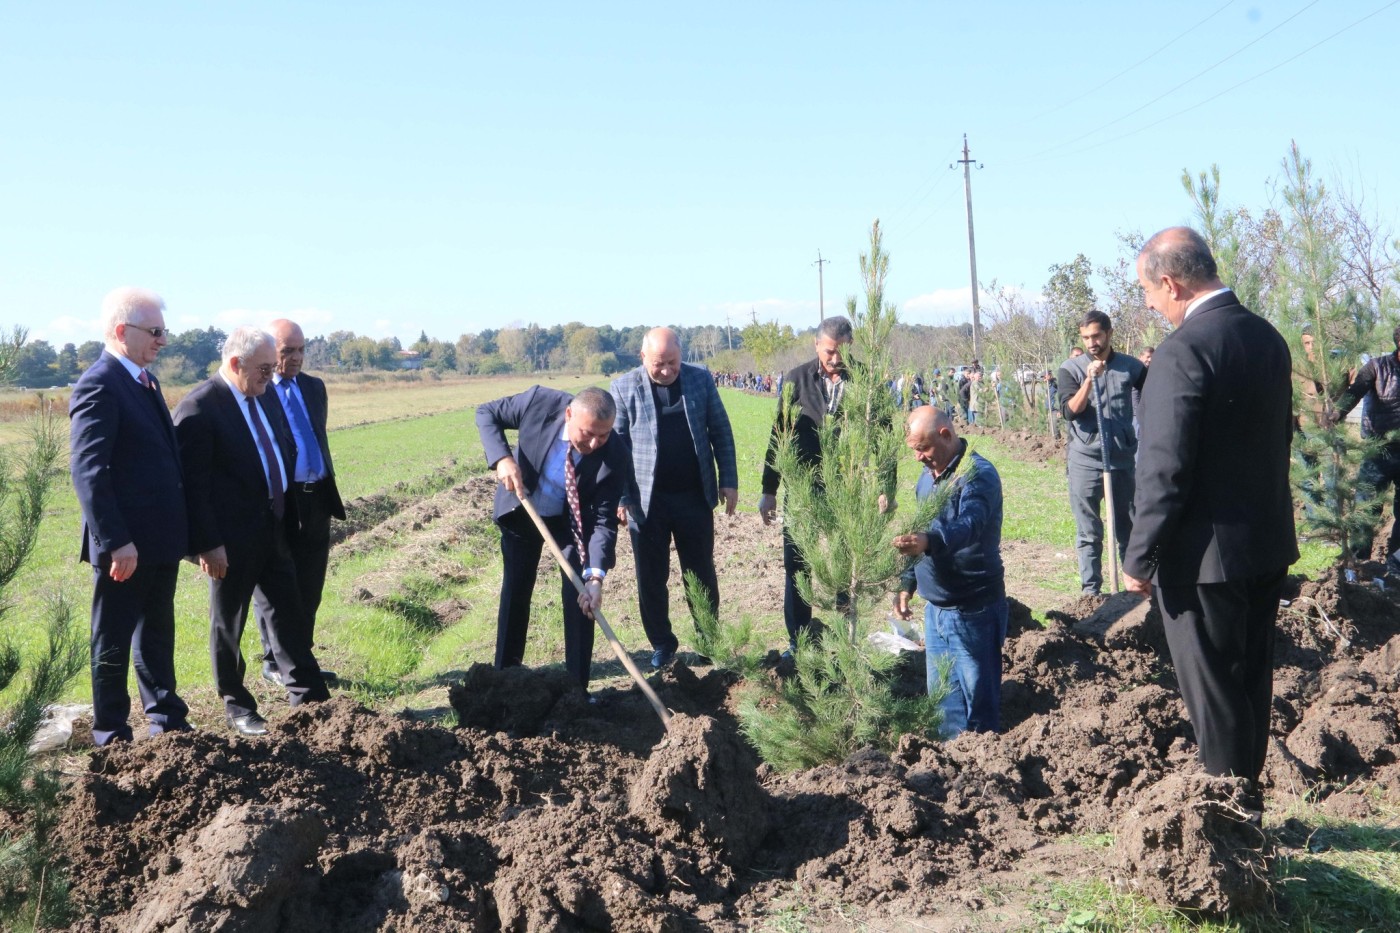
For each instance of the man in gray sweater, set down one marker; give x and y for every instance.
(1101, 381)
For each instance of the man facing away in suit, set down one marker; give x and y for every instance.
(817, 389)
(238, 456)
(1214, 524)
(562, 460)
(304, 404)
(126, 472)
(671, 415)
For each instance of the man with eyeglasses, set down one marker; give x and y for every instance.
(301, 398)
(238, 458)
(126, 472)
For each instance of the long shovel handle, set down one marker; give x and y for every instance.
(617, 648)
(1111, 536)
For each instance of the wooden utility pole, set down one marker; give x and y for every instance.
(729, 330)
(821, 289)
(966, 162)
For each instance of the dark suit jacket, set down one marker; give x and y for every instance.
(1213, 501)
(806, 413)
(227, 489)
(603, 476)
(709, 430)
(125, 465)
(313, 390)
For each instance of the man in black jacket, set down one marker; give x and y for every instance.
(817, 388)
(1380, 379)
(562, 460)
(1214, 523)
(303, 402)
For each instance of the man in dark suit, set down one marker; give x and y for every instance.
(302, 400)
(562, 445)
(238, 456)
(1214, 523)
(126, 471)
(817, 388)
(672, 418)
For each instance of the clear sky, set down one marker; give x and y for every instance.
(395, 167)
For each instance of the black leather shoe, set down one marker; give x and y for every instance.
(272, 676)
(251, 724)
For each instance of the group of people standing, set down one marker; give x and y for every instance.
(239, 479)
(1212, 539)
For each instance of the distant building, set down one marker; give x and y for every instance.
(410, 359)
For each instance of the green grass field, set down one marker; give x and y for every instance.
(407, 442)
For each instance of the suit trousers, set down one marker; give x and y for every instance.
(1221, 637)
(310, 546)
(521, 546)
(1376, 475)
(689, 520)
(1085, 499)
(134, 621)
(265, 566)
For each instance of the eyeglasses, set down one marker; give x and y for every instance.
(265, 369)
(156, 332)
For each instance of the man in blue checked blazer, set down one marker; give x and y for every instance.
(672, 418)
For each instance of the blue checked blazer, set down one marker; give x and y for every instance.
(709, 427)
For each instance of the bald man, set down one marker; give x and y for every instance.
(683, 465)
(303, 403)
(1214, 530)
(958, 573)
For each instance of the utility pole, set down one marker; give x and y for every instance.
(729, 330)
(966, 162)
(821, 289)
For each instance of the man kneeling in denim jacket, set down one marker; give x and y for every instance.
(959, 573)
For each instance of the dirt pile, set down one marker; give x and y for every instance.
(1191, 841)
(544, 811)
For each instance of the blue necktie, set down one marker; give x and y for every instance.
(314, 463)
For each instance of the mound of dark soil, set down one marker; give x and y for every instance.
(545, 811)
(1190, 841)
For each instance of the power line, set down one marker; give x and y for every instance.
(1232, 87)
(1171, 91)
(904, 212)
(1136, 64)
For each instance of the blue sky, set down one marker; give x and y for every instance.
(391, 168)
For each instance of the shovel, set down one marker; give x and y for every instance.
(617, 648)
(1111, 527)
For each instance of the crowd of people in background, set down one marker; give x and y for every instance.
(766, 383)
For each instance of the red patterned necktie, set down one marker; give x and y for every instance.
(145, 379)
(575, 512)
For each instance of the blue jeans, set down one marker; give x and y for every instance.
(971, 642)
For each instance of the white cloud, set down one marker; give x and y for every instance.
(68, 329)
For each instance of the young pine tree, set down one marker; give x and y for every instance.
(1329, 326)
(33, 892)
(839, 515)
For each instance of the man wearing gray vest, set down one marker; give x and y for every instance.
(1097, 391)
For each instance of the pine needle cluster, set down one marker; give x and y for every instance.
(33, 891)
(732, 646)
